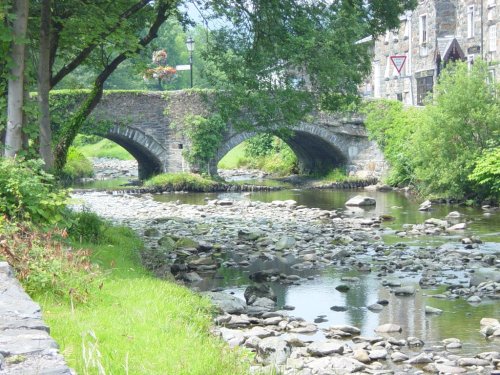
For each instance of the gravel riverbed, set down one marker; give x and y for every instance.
(191, 242)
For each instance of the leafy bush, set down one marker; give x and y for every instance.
(29, 193)
(205, 135)
(260, 145)
(435, 148)
(44, 265)
(77, 165)
(392, 126)
(182, 181)
(487, 171)
(86, 226)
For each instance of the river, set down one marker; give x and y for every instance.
(314, 296)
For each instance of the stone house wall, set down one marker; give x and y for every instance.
(463, 29)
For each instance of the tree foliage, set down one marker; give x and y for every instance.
(279, 59)
(436, 148)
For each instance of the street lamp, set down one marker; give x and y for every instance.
(190, 48)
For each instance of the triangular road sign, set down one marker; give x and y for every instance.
(398, 61)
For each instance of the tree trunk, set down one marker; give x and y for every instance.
(72, 127)
(44, 86)
(13, 136)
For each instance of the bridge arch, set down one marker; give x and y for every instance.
(149, 153)
(317, 149)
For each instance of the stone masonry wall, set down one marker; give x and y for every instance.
(26, 347)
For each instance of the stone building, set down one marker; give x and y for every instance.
(436, 32)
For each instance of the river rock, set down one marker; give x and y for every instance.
(446, 369)
(456, 227)
(338, 308)
(437, 222)
(233, 337)
(398, 357)
(226, 302)
(167, 243)
(342, 288)
(425, 206)
(474, 299)
(387, 328)
(249, 235)
(472, 362)
(261, 305)
(453, 215)
(361, 355)
(360, 200)
(186, 243)
(273, 350)
(191, 277)
(344, 365)
(285, 242)
(404, 291)
(432, 310)
(253, 292)
(377, 354)
(351, 330)
(324, 348)
(420, 359)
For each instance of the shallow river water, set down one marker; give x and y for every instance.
(314, 297)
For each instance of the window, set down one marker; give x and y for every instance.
(406, 32)
(423, 29)
(492, 37)
(492, 3)
(470, 21)
(424, 86)
(399, 96)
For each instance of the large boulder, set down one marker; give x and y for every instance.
(226, 302)
(360, 200)
(253, 292)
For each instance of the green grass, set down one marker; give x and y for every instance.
(282, 163)
(233, 159)
(138, 324)
(182, 181)
(105, 149)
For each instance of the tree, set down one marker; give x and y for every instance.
(13, 136)
(280, 59)
(440, 149)
(44, 86)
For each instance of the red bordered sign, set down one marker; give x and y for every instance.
(398, 61)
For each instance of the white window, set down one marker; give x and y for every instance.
(423, 29)
(406, 33)
(470, 21)
(492, 3)
(492, 37)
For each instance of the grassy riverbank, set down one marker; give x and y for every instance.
(137, 324)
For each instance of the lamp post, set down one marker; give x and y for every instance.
(190, 48)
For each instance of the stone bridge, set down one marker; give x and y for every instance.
(149, 126)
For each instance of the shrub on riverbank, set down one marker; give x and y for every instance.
(436, 148)
(77, 165)
(29, 193)
(182, 181)
(136, 323)
(270, 155)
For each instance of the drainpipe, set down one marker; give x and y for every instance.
(482, 31)
(410, 37)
